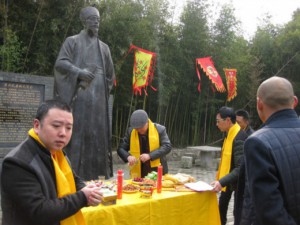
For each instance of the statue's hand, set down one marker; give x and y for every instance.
(86, 75)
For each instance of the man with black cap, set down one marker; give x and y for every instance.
(84, 76)
(145, 145)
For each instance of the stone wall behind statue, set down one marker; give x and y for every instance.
(20, 96)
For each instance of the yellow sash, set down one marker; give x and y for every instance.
(65, 183)
(153, 138)
(225, 163)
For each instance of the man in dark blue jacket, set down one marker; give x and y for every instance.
(272, 157)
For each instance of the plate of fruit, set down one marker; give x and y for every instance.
(137, 180)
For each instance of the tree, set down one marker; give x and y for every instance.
(11, 53)
(35, 35)
(288, 42)
(264, 46)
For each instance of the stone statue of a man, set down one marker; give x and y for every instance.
(84, 76)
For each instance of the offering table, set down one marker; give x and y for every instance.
(168, 207)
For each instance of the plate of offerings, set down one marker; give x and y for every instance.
(130, 188)
(137, 181)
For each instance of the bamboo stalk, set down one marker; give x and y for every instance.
(34, 29)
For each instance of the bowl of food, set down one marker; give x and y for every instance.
(147, 187)
(146, 194)
(149, 182)
(130, 188)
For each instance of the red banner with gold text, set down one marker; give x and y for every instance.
(231, 81)
(208, 67)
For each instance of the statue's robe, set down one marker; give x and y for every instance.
(90, 147)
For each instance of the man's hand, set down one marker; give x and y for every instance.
(131, 160)
(93, 195)
(217, 187)
(86, 75)
(144, 157)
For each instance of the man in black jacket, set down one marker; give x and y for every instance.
(38, 185)
(243, 119)
(145, 145)
(232, 153)
(272, 158)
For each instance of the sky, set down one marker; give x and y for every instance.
(249, 12)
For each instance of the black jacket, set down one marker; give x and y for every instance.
(230, 180)
(28, 188)
(239, 197)
(272, 159)
(161, 152)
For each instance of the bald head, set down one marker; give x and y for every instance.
(277, 93)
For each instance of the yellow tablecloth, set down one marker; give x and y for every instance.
(182, 208)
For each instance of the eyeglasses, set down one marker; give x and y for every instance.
(219, 120)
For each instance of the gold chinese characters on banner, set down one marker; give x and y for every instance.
(231, 82)
(208, 67)
(143, 69)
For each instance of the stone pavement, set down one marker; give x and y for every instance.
(199, 173)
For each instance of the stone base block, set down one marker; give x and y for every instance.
(190, 154)
(186, 162)
(198, 162)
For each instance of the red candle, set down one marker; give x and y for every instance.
(120, 184)
(159, 178)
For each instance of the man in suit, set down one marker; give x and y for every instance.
(232, 153)
(243, 119)
(272, 157)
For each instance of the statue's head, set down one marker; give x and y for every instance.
(90, 19)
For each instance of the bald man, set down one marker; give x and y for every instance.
(84, 76)
(272, 158)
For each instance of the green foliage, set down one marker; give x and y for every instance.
(264, 47)
(30, 40)
(288, 41)
(11, 53)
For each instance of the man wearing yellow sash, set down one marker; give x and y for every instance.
(38, 186)
(232, 153)
(145, 145)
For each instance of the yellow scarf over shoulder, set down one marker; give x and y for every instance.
(65, 183)
(153, 138)
(225, 163)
